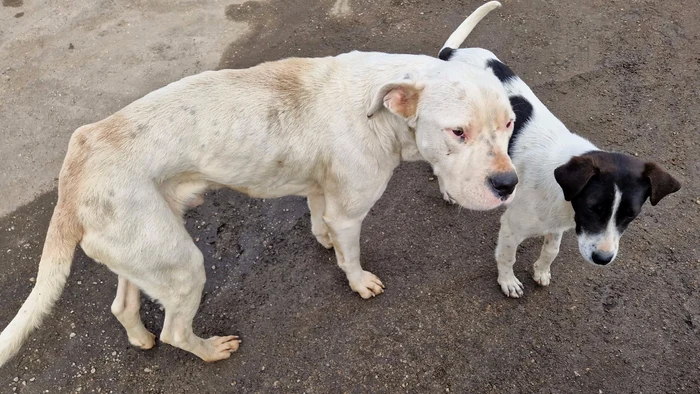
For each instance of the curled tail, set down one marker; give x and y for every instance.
(457, 38)
(56, 259)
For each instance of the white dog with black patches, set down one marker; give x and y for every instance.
(332, 129)
(565, 181)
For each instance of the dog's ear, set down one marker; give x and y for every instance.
(662, 183)
(574, 175)
(401, 98)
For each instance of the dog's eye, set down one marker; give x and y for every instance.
(510, 123)
(458, 132)
(596, 209)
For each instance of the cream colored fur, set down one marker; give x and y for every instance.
(332, 129)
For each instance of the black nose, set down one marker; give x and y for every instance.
(503, 183)
(602, 258)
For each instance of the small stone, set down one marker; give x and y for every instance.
(114, 353)
(92, 370)
(147, 370)
(32, 379)
(636, 154)
(80, 282)
(72, 334)
(31, 279)
(70, 46)
(15, 379)
(577, 374)
(697, 201)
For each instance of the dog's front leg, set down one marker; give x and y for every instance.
(345, 233)
(506, 249)
(550, 250)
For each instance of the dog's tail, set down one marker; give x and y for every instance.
(457, 38)
(63, 235)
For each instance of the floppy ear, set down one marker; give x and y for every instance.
(401, 98)
(662, 183)
(574, 175)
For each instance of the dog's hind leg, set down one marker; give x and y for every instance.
(550, 250)
(317, 206)
(508, 242)
(125, 308)
(178, 286)
(155, 253)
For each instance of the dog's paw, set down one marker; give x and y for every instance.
(511, 286)
(542, 277)
(367, 285)
(144, 340)
(220, 348)
(325, 240)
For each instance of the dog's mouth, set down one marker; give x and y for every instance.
(505, 199)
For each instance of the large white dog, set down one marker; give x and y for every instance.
(332, 129)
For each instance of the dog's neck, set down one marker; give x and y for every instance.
(393, 133)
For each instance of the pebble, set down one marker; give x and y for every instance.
(72, 334)
(147, 370)
(114, 353)
(92, 370)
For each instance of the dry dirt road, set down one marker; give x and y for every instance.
(622, 73)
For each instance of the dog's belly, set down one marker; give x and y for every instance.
(289, 189)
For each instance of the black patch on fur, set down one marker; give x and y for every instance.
(445, 53)
(502, 72)
(594, 204)
(523, 113)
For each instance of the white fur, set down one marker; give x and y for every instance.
(606, 242)
(539, 207)
(311, 127)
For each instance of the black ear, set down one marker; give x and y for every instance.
(574, 175)
(662, 183)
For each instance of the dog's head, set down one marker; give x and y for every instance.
(607, 191)
(462, 121)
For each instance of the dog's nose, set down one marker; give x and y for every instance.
(602, 258)
(503, 183)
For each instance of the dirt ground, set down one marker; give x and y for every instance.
(622, 73)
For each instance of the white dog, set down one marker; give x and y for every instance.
(311, 127)
(565, 181)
